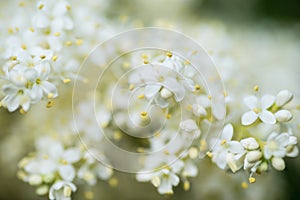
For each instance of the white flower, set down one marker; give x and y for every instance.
(41, 86)
(190, 169)
(91, 169)
(61, 190)
(224, 146)
(164, 179)
(15, 97)
(283, 97)
(259, 110)
(53, 157)
(250, 143)
(280, 145)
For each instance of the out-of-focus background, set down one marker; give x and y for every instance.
(264, 34)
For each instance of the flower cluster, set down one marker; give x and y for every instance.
(53, 168)
(258, 147)
(38, 53)
(151, 102)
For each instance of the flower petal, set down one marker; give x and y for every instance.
(249, 118)
(227, 132)
(67, 172)
(267, 101)
(267, 117)
(251, 101)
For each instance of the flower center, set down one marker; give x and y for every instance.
(257, 110)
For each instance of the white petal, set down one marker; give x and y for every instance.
(151, 90)
(49, 88)
(72, 155)
(283, 139)
(249, 118)
(235, 147)
(227, 132)
(267, 117)
(267, 101)
(294, 152)
(251, 101)
(67, 172)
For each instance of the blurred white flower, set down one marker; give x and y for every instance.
(61, 190)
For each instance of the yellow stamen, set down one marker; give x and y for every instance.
(21, 4)
(252, 180)
(193, 152)
(117, 135)
(49, 104)
(42, 56)
(244, 185)
(225, 94)
(186, 185)
(197, 87)
(23, 46)
(144, 114)
(168, 116)
(89, 195)
(131, 87)
(79, 41)
(13, 58)
(50, 95)
(223, 142)
(166, 152)
(57, 34)
(209, 154)
(31, 29)
(10, 31)
(68, 7)
(141, 96)
(54, 58)
(41, 6)
(66, 80)
(64, 162)
(68, 43)
(255, 88)
(113, 182)
(256, 110)
(169, 54)
(126, 65)
(22, 111)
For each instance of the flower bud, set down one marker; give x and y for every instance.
(263, 167)
(278, 163)
(253, 156)
(283, 115)
(35, 180)
(249, 143)
(165, 93)
(283, 97)
(42, 190)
